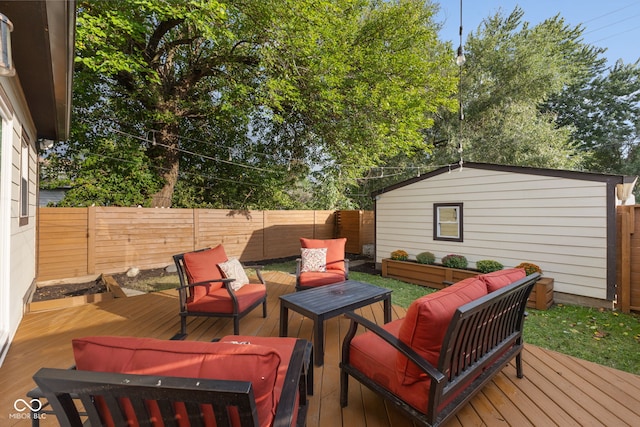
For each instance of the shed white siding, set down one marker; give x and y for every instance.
(557, 223)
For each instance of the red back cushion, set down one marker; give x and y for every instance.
(501, 278)
(258, 364)
(203, 265)
(426, 323)
(335, 250)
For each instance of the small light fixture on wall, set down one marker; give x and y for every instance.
(6, 60)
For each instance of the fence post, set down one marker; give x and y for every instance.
(624, 293)
(91, 240)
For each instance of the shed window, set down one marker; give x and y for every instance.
(447, 221)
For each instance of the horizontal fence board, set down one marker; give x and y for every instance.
(76, 242)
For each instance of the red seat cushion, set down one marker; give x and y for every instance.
(335, 250)
(283, 345)
(316, 278)
(259, 364)
(376, 359)
(203, 265)
(501, 278)
(219, 301)
(426, 323)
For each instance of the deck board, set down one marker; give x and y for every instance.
(557, 389)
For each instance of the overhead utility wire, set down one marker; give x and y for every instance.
(216, 159)
(204, 156)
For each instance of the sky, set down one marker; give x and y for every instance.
(611, 24)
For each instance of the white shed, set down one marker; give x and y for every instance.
(563, 221)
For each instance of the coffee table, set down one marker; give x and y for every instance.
(325, 302)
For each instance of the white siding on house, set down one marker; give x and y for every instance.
(18, 250)
(559, 224)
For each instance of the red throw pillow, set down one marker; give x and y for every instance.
(426, 323)
(203, 265)
(335, 250)
(501, 278)
(258, 364)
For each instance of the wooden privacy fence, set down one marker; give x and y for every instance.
(76, 242)
(628, 262)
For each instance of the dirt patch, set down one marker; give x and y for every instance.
(365, 267)
(151, 280)
(47, 293)
(146, 281)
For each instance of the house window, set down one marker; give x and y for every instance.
(24, 181)
(447, 221)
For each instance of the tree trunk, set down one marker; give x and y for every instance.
(164, 155)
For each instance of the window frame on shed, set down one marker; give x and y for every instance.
(437, 222)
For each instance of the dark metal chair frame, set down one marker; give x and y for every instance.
(186, 288)
(482, 337)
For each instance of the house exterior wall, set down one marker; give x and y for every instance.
(557, 223)
(18, 250)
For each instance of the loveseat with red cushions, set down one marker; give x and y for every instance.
(249, 381)
(449, 345)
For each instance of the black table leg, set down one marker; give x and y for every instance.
(318, 340)
(387, 309)
(284, 320)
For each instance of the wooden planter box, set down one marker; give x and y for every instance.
(541, 297)
(113, 291)
(430, 275)
(438, 277)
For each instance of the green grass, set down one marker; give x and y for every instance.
(606, 337)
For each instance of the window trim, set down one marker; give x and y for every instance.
(24, 179)
(436, 222)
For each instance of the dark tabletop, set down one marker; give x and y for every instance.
(325, 299)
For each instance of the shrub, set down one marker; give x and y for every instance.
(488, 265)
(426, 258)
(529, 268)
(454, 261)
(399, 255)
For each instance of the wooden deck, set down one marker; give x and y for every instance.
(557, 389)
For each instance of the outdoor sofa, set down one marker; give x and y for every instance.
(449, 345)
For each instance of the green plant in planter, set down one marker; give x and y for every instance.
(400, 255)
(529, 268)
(454, 261)
(425, 258)
(488, 265)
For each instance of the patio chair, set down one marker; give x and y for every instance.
(322, 263)
(237, 381)
(213, 285)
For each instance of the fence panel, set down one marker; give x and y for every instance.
(74, 242)
(127, 237)
(62, 243)
(240, 232)
(357, 227)
(628, 262)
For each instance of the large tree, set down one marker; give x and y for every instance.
(228, 103)
(512, 68)
(604, 112)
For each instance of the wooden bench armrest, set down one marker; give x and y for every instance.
(424, 365)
